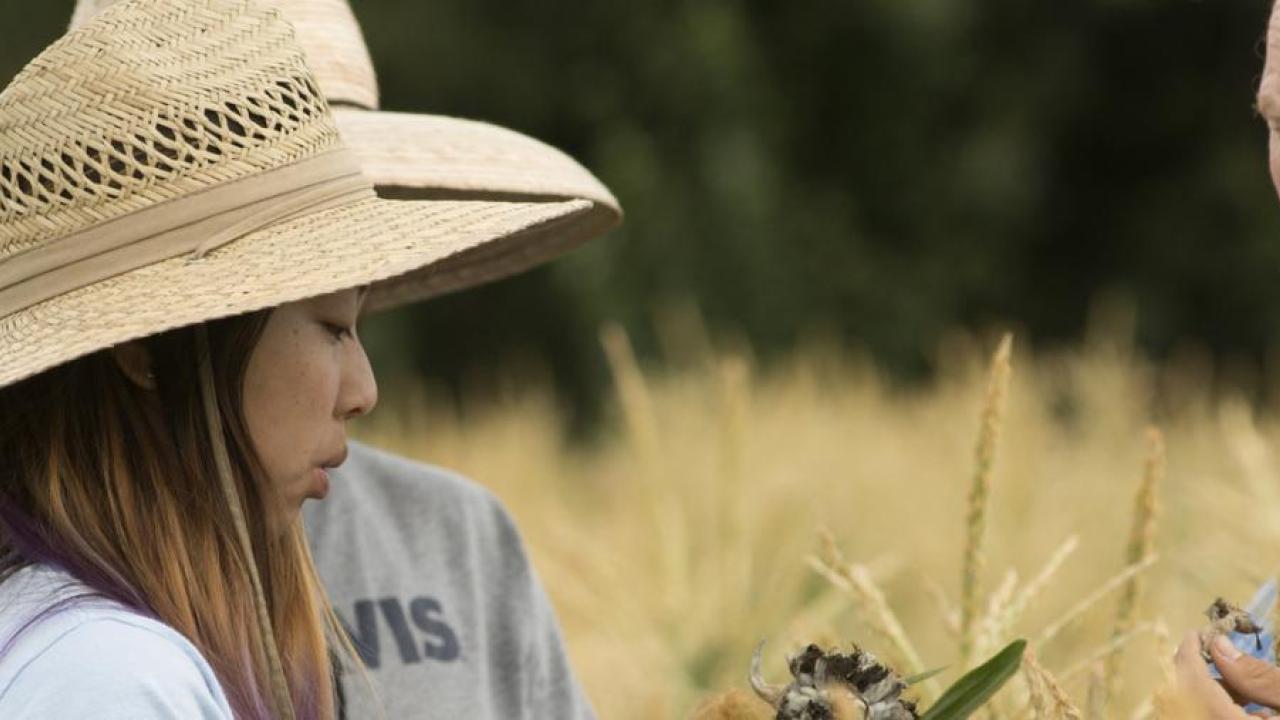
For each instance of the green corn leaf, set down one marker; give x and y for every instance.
(921, 677)
(978, 685)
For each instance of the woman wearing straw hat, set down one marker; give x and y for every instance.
(185, 246)
(440, 637)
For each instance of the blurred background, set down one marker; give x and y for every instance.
(872, 172)
(833, 211)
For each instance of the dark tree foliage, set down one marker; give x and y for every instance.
(877, 169)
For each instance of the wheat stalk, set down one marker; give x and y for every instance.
(997, 606)
(633, 391)
(856, 581)
(642, 423)
(1080, 608)
(990, 636)
(1037, 694)
(1107, 649)
(731, 527)
(1170, 699)
(949, 614)
(1096, 697)
(1023, 599)
(1055, 703)
(1164, 648)
(1142, 545)
(1164, 653)
(980, 491)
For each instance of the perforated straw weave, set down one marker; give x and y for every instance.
(421, 156)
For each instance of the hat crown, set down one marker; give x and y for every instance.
(149, 101)
(329, 34)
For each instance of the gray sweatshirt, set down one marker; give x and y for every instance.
(430, 576)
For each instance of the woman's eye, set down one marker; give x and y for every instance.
(338, 331)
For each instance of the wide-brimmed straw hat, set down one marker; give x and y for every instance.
(420, 156)
(173, 162)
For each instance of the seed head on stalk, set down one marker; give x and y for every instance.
(829, 685)
(984, 462)
(1224, 619)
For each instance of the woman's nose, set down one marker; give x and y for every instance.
(360, 387)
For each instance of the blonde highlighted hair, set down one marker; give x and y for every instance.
(117, 485)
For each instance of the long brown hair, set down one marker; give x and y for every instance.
(116, 484)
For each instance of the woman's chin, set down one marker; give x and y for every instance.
(318, 484)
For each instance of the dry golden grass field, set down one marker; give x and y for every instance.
(1033, 500)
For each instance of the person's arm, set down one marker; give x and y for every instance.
(111, 669)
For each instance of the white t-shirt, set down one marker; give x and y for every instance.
(95, 658)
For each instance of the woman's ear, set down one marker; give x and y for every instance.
(134, 360)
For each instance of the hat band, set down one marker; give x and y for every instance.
(192, 225)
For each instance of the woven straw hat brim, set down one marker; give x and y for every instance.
(415, 156)
(391, 244)
(438, 155)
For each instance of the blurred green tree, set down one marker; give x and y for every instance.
(879, 170)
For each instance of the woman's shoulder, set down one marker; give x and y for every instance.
(94, 658)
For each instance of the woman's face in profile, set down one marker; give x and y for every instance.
(306, 377)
